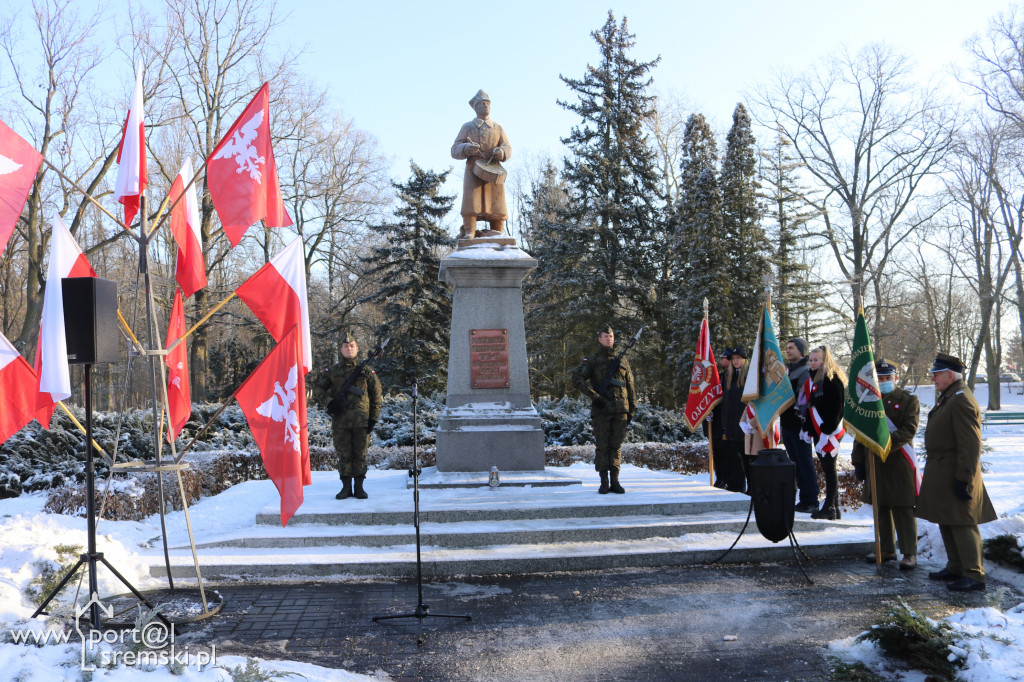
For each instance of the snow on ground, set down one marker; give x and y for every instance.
(29, 536)
(992, 642)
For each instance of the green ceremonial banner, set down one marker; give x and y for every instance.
(767, 389)
(863, 410)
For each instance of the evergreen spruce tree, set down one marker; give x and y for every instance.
(700, 248)
(749, 252)
(553, 326)
(613, 188)
(415, 306)
(788, 211)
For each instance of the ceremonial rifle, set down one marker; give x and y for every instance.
(613, 366)
(340, 400)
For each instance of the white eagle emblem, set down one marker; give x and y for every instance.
(700, 378)
(278, 407)
(177, 377)
(8, 165)
(241, 148)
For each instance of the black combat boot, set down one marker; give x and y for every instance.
(603, 490)
(346, 488)
(360, 493)
(615, 487)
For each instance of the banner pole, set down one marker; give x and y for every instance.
(874, 509)
(87, 195)
(203, 319)
(711, 453)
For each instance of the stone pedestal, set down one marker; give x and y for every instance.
(489, 419)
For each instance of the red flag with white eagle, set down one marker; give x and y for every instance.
(273, 400)
(17, 390)
(190, 268)
(705, 385)
(19, 163)
(277, 295)
(242, 175)
(131, 156)
(179, 394)
(51, 365)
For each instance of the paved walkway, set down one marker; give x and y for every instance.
(637, 624)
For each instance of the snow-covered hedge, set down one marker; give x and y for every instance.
(41, 459)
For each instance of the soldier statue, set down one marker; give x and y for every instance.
(484, 145)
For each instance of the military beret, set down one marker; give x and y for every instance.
(605, 329)
(883, 368)
(945, 362)
(738, 350)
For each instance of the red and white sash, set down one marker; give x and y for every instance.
(908, 453)
(828, 443)
(770, 439)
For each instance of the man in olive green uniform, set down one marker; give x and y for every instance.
(896, 477)
(952, 492)
(611, 413)
(351, 426)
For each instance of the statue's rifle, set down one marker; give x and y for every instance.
(340, 401)
(613, 366)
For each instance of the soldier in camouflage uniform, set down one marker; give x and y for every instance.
(609, 414)
(352, 426)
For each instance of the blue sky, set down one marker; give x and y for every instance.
(406, 70)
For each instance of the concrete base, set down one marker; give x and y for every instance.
(432, 478)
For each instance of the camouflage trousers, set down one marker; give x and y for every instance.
(609, 432)
(351, 445)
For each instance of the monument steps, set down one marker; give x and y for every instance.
(664, 519)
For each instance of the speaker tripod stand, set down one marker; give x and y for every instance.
(92, 558)
(422, 611)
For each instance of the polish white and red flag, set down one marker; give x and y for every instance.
(277, 295)
(179, 394)
(51, 365)
(131, 156)
(19, 163)
(17, 390)
(273, 400)
(242, 174)
(705, 385)
(190, 268)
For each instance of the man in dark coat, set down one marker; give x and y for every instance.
(611, 413)
(895, 478)
(792, 421)
(351, 427)
(952, 492)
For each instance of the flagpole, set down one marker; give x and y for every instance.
(871, 471)
(159, 220)
(88, 196)
(206, 426)
(82, 429)
(711, 431)
(203, 319)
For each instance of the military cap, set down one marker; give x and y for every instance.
(480, 96)
(945, 362)
(605, 329)
(348, 336)
(884, 369)
(738, 350)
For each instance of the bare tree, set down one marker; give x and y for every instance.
(52, 82)
(664, 129)
(868, 138)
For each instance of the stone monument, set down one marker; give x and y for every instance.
(489, 419)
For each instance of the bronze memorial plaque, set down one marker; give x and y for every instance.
(488, 358)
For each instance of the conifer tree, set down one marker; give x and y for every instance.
(702, 269)
(788, 210)
(552, 291)
(749, 252)
(414, 305)
(611, 217)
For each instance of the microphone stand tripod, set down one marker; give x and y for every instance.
(422, 610)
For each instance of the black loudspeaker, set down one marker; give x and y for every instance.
(772, 488)
(90, 320)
